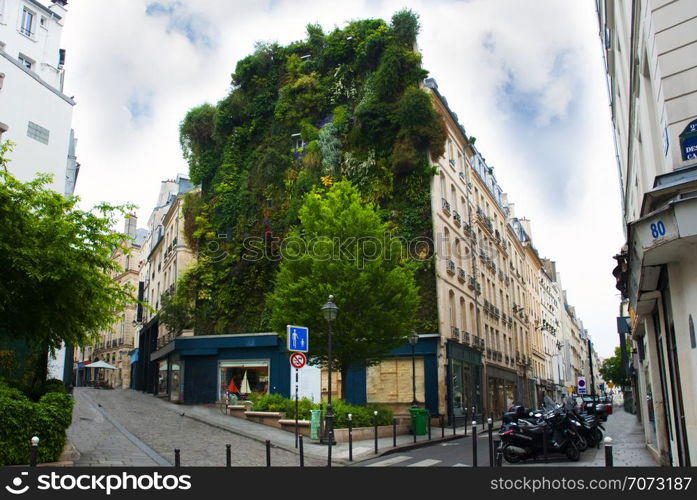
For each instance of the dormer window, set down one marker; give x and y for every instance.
(26, 28)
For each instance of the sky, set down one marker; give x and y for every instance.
(525, 78)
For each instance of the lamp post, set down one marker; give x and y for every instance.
(413, 339)
(329, 310)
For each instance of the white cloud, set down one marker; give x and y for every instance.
(524, 77)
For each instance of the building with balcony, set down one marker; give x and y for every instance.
(650, 48)
(166, 256)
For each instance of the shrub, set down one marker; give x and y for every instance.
(22, 419)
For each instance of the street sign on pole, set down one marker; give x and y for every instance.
(582, 385)
(298, 338)
(297, 360)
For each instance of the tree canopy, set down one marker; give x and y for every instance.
(341, 247)
(613, 371)
(55, 265)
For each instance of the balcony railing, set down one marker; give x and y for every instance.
(466, 337)
(461, 275)
(457, 218)
(446, 206)
(455, 332)
(450, 266)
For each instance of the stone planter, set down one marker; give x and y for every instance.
(289, 425)
(237, 410)
(265, 417)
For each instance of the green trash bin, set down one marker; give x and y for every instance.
(315, 417)
(419, 420)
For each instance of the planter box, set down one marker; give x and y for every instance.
(367, 433)
(265, 417)
(289, 425)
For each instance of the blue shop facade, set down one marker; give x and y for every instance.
(200, 369)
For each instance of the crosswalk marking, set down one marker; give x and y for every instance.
(390, 461)
(461, 465)
(425, 463)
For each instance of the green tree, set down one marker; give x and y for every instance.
(55, 268)
(341, 248)
(613, 371)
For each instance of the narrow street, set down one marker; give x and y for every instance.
(624, 429)
(127, 428)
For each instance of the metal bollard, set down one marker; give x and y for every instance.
(454, 424)
(474, 443)
(490, 424)
(350, 431)
(302, 450)
(33, 451)
(466, 419)
(375, 421)
(442, 426)
(429, 426)
(228, 455)
(394, 432)
(177, 459)
(609, 462)
(544, 446)
(413, 427)
(268, 453)
(498, 456)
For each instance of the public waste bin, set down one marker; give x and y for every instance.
(315, 417)
(419, 420)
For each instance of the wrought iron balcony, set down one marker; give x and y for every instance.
(446, 206)
(457, 218)
(455, 332)
(461, 274)
(450, 266)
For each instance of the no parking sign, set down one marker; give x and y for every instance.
(581, 385)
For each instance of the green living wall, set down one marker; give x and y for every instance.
(344, 105)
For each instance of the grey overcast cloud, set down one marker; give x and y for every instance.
(526, 79)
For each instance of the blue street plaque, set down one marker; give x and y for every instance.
(298, 338)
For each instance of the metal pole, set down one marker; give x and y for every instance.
(490, 424)
(497, 445)
(350, 431)
(454, 424)
(296, 407)
(330, 412)
(394, 432)
(375, 417)
(228, 455)
(466, 420)
(177, 459)
(413, 426)
(474, 443)
(302, 451)
(590, 364)
(268, 453)
(429, 426)
(33, 451)
(442, 426)
(609, 462)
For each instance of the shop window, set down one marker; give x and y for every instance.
(243, 378)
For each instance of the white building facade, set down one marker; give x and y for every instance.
(650, 47)
(35, 114)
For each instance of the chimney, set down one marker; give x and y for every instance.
(511, 210)
(526, 225)
(130, 227)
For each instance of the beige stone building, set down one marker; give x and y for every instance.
(115, 344)
(650, 49)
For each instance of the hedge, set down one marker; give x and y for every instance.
(22, 419)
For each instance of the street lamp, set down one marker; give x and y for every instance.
(329, 310)
(413, 339)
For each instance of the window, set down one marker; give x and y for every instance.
(37, 132)
(27, 22)
(25, 61)
(43, 22)
(243, 377)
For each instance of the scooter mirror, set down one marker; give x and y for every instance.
(531, 414)
(538, 415)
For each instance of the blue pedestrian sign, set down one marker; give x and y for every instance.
(298, 338)
(582, 385)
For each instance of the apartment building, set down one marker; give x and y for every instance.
(167, 256)
(650, 48)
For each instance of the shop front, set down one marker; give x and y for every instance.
(201, 369)
(502, 389)
(464, 381)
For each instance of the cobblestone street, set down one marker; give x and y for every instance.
(128, 428)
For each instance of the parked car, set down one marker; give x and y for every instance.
(595, 405)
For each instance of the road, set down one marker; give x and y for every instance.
(128, 428)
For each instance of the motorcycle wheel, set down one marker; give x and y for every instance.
(581, 443)
(572, 453)
(510, 457)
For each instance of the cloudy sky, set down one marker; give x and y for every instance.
(525, 78)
